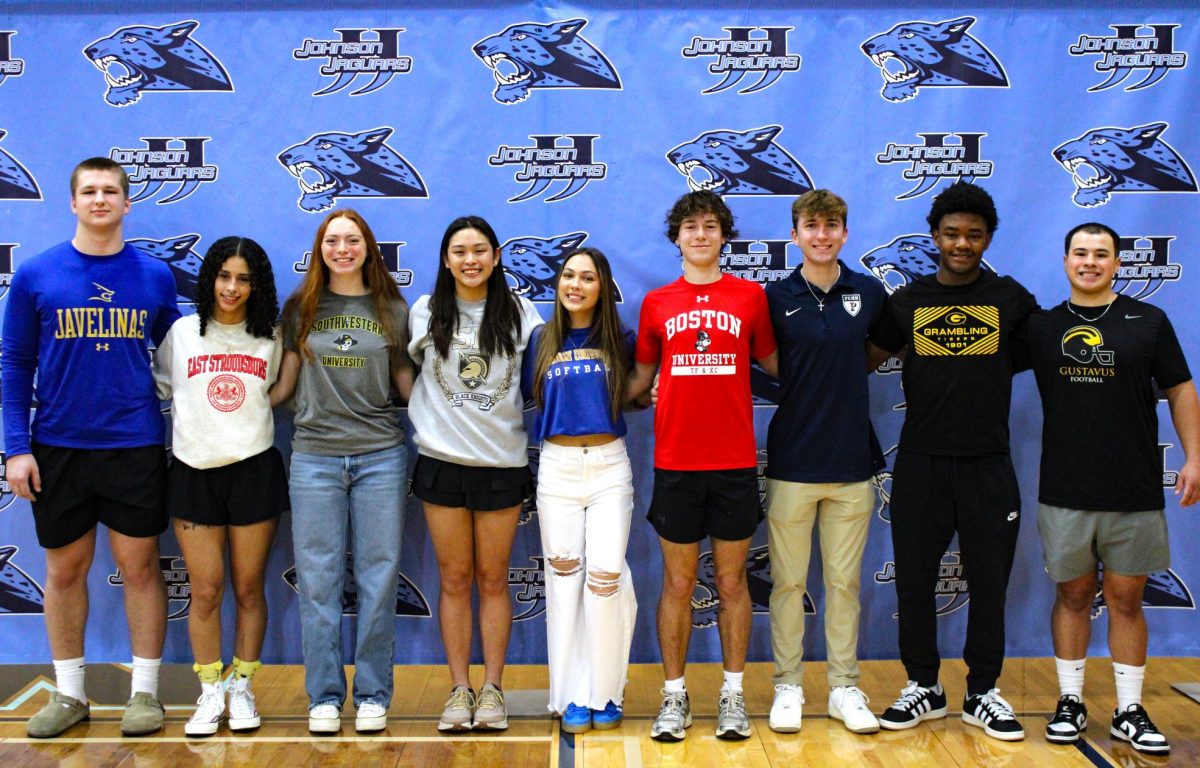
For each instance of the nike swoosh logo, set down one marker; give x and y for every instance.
(1132, 317)
(791, 312)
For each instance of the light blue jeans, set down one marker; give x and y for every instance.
(331, 494)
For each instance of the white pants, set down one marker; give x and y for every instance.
(585, 501)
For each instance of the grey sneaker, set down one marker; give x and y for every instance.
(674, 716)
(459, 710)
(143, 715)
(732, 721)
(490, 711)
(57, 716)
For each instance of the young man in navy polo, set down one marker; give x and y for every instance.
(821, 454)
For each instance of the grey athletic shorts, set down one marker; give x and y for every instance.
(1128, 543)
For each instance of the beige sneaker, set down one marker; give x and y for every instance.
(459, 710)
(490, 711)
(57, 716)
(143, 715)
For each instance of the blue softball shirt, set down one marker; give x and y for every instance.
(576, 388)
(84, 325)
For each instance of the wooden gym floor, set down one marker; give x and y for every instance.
(535, 739)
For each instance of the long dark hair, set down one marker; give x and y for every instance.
(607, 334)
(376, 279)
(501, 313)
(262, 308)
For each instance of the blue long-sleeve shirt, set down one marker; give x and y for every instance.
(84, 324)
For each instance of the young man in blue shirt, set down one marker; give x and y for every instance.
(81, 316)
(821, 454)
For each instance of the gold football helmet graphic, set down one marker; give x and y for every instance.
(1083, 343)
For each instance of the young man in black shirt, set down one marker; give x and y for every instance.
(1098, 357)
(952, 472)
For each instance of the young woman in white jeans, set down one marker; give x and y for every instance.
(576, 372)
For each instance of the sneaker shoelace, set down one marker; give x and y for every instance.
(672, 705)
(209, 706)
(854, 698)
(1068, 707)
(1140, 720)
(460, 698)
(996, 706)
(491, 698)
(732, 700)
(910, 697)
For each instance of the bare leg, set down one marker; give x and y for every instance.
(249, 547)
(66, 599)
(204, 553)
(675, 604)
(452, 533)
(145, 592)
(1071, 620)
(1126, 621)
(494, 533)
(733, 617)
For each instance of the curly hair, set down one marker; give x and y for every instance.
(695, 204)
(963, 197)
(262, 308)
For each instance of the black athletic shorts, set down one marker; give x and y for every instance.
(243, 493)
(124, 488)
(720, 503)
(479, 489)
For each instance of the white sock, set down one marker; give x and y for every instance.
(1129, 684)
(68, 677)
(145, 676)
(733, 682)
(1070, 676)
(675, 686)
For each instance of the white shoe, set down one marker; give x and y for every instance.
(785, 712)
(209, 709)
(849, 704)
(324, 718)
(371, 717)
(243, 711)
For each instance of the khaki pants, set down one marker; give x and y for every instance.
(843, 514)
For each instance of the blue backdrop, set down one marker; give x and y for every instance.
(565, 123)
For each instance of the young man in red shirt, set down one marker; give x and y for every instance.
(700, 334)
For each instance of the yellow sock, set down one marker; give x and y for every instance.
(209, 673)
(245, 669)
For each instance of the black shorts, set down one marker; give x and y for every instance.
(719, 503)
(479, 489)
(124, 488)
(243, 493)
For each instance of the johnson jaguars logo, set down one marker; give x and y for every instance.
(706, 600)
(529, 56)
(333, 164)
(353, 55)
(179, 585)
(1107, 161)
(935, 160)
(922, 54)
(528, 586)
(388, 250)
(1145, 264)
(226, 393)
(904, 259)
(731, 162)
(745, 53)
(9, 67)
(1164, 589)
(20, 594)
(16, 183)
(951, 592)
(410, 601)
(956, 330)
(179, 254)
(1126, 51)
(165, 160)
(140, 59)
(569, 159)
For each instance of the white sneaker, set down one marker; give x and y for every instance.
(785, 712)
(209, 709)
(849, 704)
(371, 717)
(243, 711)
(324, 718)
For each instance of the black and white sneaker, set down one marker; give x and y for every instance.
(1134, 726)
(1069, 721)
(914, 705)
(994, 715)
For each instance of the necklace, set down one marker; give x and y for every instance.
(1095, 319)
(821, 302)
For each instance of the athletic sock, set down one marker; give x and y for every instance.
(68, 677)
(145, 676)
(675, 686)
(245, 669)
(1070, 676)
(732, 682)
(208, 673)
(1129, 684)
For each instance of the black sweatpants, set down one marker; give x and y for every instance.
(932, 498)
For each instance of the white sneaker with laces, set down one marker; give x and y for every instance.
(243, 711)
(371, 717)
(209, 709)
(324, 718)
(786, 710)
(849, 704)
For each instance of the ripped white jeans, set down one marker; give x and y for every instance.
(584, 502)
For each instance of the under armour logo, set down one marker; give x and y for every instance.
(101, 347)
(703, 298)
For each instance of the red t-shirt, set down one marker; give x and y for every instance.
(703, 338)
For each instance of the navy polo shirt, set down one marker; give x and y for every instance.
(821, 432)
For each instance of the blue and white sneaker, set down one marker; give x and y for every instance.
(608, 718)
(577, 719)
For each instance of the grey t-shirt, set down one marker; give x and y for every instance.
(344, 397)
